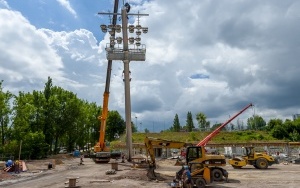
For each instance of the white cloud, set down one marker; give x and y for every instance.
(25, 54)
(246, 48)
(29, 55)
(66, 4)
(249, 50)
(3, 4)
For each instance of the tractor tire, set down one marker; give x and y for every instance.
(255, 166)
(217, 174)
(261, 163)
(200, 183)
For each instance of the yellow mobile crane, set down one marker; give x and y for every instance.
(101, 151)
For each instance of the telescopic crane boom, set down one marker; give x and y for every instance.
(216, 131)
(100, 146)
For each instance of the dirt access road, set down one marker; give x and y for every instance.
(94, 175)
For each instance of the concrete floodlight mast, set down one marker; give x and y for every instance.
(132, 50)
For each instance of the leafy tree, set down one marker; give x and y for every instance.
(189, 122)
(272, 123)
(34, 146)
(176, 124)
(115, 125)
(89, 122)
(48, 126)
(146, 130)
(256, 123)
(71, 121)
(202, 123)
(23, 110)
(279, 132)
(5, 111)
(133, 128)
(294, 136)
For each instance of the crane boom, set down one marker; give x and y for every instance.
(100, 146)
(216, 131)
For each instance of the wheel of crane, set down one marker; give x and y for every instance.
(217, 174)
(200, 183)
(261, 163)
(255, 166)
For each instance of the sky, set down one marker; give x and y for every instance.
(207, 56)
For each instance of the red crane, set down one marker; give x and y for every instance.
(216, 131)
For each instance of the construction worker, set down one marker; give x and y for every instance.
(17, 167)
(123, 157)
(187, 178)
(81, 160)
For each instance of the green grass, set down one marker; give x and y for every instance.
(195, 137)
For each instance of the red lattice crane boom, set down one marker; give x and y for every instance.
(216, 131)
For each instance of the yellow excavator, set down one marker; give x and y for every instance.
(250, 157)
(196, 158)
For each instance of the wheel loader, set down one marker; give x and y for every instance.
(250, 157)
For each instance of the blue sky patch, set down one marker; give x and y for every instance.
(199, 76)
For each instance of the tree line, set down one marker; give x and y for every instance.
(283, 130)
(44, 121)
(41, 122)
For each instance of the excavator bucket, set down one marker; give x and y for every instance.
(151, 174)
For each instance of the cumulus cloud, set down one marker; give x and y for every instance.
(248, 49)
(25, 53)
(29, 55)
(215, 58)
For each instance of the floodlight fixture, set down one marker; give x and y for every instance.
(137, 39)
(131, 28)
(131, 40)
(138, 27)
(110, 26)
(138, 33)
(119, 40)
(118, 28)
(137, 43)
(103, 28)
(145, 30)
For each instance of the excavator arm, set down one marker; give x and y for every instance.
(157, 142)
(151, 142)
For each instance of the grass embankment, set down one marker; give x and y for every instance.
(195, 137)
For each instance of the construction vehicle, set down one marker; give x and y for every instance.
(250, 157)
(196, 158)
(200, 178)
(101, 151)
(258, 160)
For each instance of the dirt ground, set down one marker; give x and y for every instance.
(95, 175)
